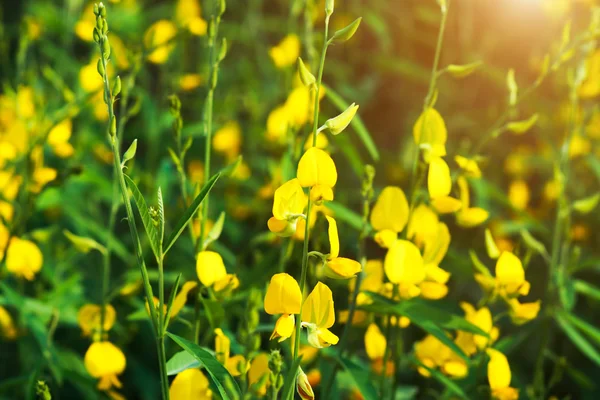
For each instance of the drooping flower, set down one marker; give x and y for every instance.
(23, 258)
(283, 297)
(389, 215)
(190, 384)
(499, 376)
(210, 267)
(338, 267)
(89, 316)
(318, 316)
(104, 361)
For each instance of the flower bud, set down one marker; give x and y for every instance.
(337, 124)
(303, 386)
(96, 35)
(113, 126)
(117, 86)
(100, 68)
(306, 77)
(329, 7)
(96, 9)
(346, 33)
(102, 9)
(222, 7)
(105, 48)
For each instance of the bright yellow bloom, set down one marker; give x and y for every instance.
(372, 281)
(228, 140)
(389, 215)
(499, 377)
(430, 133)
(277, 124)
(210, 267)
(288, 205)
(423, 224)
(58, 139)
(434, 354)
(469, 217)
(338, 267)
(8, 329)
(439, 182)
(375, 342)
(286, 52)
(190, 384)
(159, 37)
(318, 316)
(510, 276)
(104, 361)
(89, 316)
(404, 265)
(482, 319)
(283, 297)
(189, 15)
(181, 297)
(316, 168)
(23, 258)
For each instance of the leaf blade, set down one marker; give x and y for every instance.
(144, 213)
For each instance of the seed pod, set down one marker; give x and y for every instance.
(105, 48)
(96, 35)
(117, 86)
(100, 68)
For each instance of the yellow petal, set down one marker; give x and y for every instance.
(490, 245)
(436, 274)
(390, 211)
(282, 227)
(446, 204)
(286, 52)
(509, 271)
(436, 246)
(386, 238)
(89, 316)
(104, 359)
(259, 367)
(23, 258)
(433, 290)
(463, 187)
(320, 193)
(159, 37)
(210, 267)
(430, 132)
(375, 342)
(469, 166)
(283, 295)
(318, 307)
(289, 200)
(439, 182)
(334, 240)
(342, 268)
(521, 313)
(404, 264)
(471, 217)
(316, 168)
(498, 370)
(190, 384)
(236, 365)
(8, 329)
(181, 297)
(455, 369)
(284, 327)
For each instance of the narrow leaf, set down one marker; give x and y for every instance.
(587, 289)
(216, 230)
(217, 372)
(519, 127)
(361, 378)
(171, 300)
(590, 330)
(84, 244)
(462, 71)
(147, 220)
(587, 205)
(189, 213)
(578, 339)
(180, 362)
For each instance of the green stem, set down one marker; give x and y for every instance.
(319, 79)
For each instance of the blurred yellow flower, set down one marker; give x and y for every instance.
(286, 52)
(283, 297)
(469, 217)
(190, 384)
(228, 140)
(104, 361)
(189, 82)
(189, 15)
(259, 370)
(434, 354)
(430, 133)
(318, 316)
(58, 139)
(389, 215)
(521, 313)
(518, 194)
(8, 329)
(210, 267)
(89, 316)
(159, 38)
(404, 266)
(23, 258)
(375, 342)
(499, 377)
(469, 166)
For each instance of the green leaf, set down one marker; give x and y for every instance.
(216, 230)
(147, 220)
(84, 244)
(462, 71)
(130, 153)
(361, 378)
(230, 169)
(161, 218)
(590, 330)
(343, 213)
(171, 300)
(217, 372)
(534, 244)
(443, 379)
(189, 213)
(180, 362)
(587, 205)
(520, 127)
(346, 33)
(289, 384)
(356, 123)
(578, 339)
(587, 289)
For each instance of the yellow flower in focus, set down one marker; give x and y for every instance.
(58, 139)
(404, 266)
(8, 329)
(316, 168)
(338, 267)
(422, 225)
(190, 384)
(228, 140)
(510, 276)
(389, 215)
(318, 316)
(288, 205)
(210, 267)
(159, 38)
(286, 52)
(439, 182)
(430, 134)
(189, 15)
(283, 297)
(89, 316)
(521, 313)
(104, 361)
(23, 258)
(482, 319)
(499, 376)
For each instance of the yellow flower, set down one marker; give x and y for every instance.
(430, 133)
(23, 258)
(338, 267)
(189, 15)
(190, 384)
(236, 365)
(283, 297)
(521, 313)
(228, 140)
(404, 266)
(58, 139)
(316, 168)
(469, 166)
(389, 215)
(469, 217)
(518, 194)
(510, 276)
(482, 319)
(210, 267)
(288, 205)
(89, 316)
(591, 85)
(439, 182)
(318, 316)
(226, 284)
(423, 224)
(189, 82)
(286, 52)
(303, 386)
(8, 329)
(499, 376)
(159, 37)
(104, 361)
(375, 342)
(372, 280)
(278, 122)
(434, 354)
(259, 370)
(181, 297)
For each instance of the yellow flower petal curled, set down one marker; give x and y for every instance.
(334, 240)
(284, 327)
(286, 52)
(429, 132)
(89, 316)
(190, 384)
(289, 200)
(282, 227)
(104, 361)
(320, 337)
(385, 238)
(318, 307)
(222, 346)
(342, 268)
(521, 313)
(439, 182)
(446, 204)
(390, 210)
(159, 38)
(181, 297)
(404, 264)
(471, 217)
(433, 290)
(226, 284)
(375, 342)
(283, 295)
(316, 168)
(210, 267)
(23, 258)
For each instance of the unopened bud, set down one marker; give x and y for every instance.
(102, 9)
(113, 126)
(306, 77)
(329, 7)
(100, 68)
(117, 86)
(346, 33)
(96, 35)
(105, 48)
(222, 7)
(96, 10)
(337, 124)
(303, 386)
